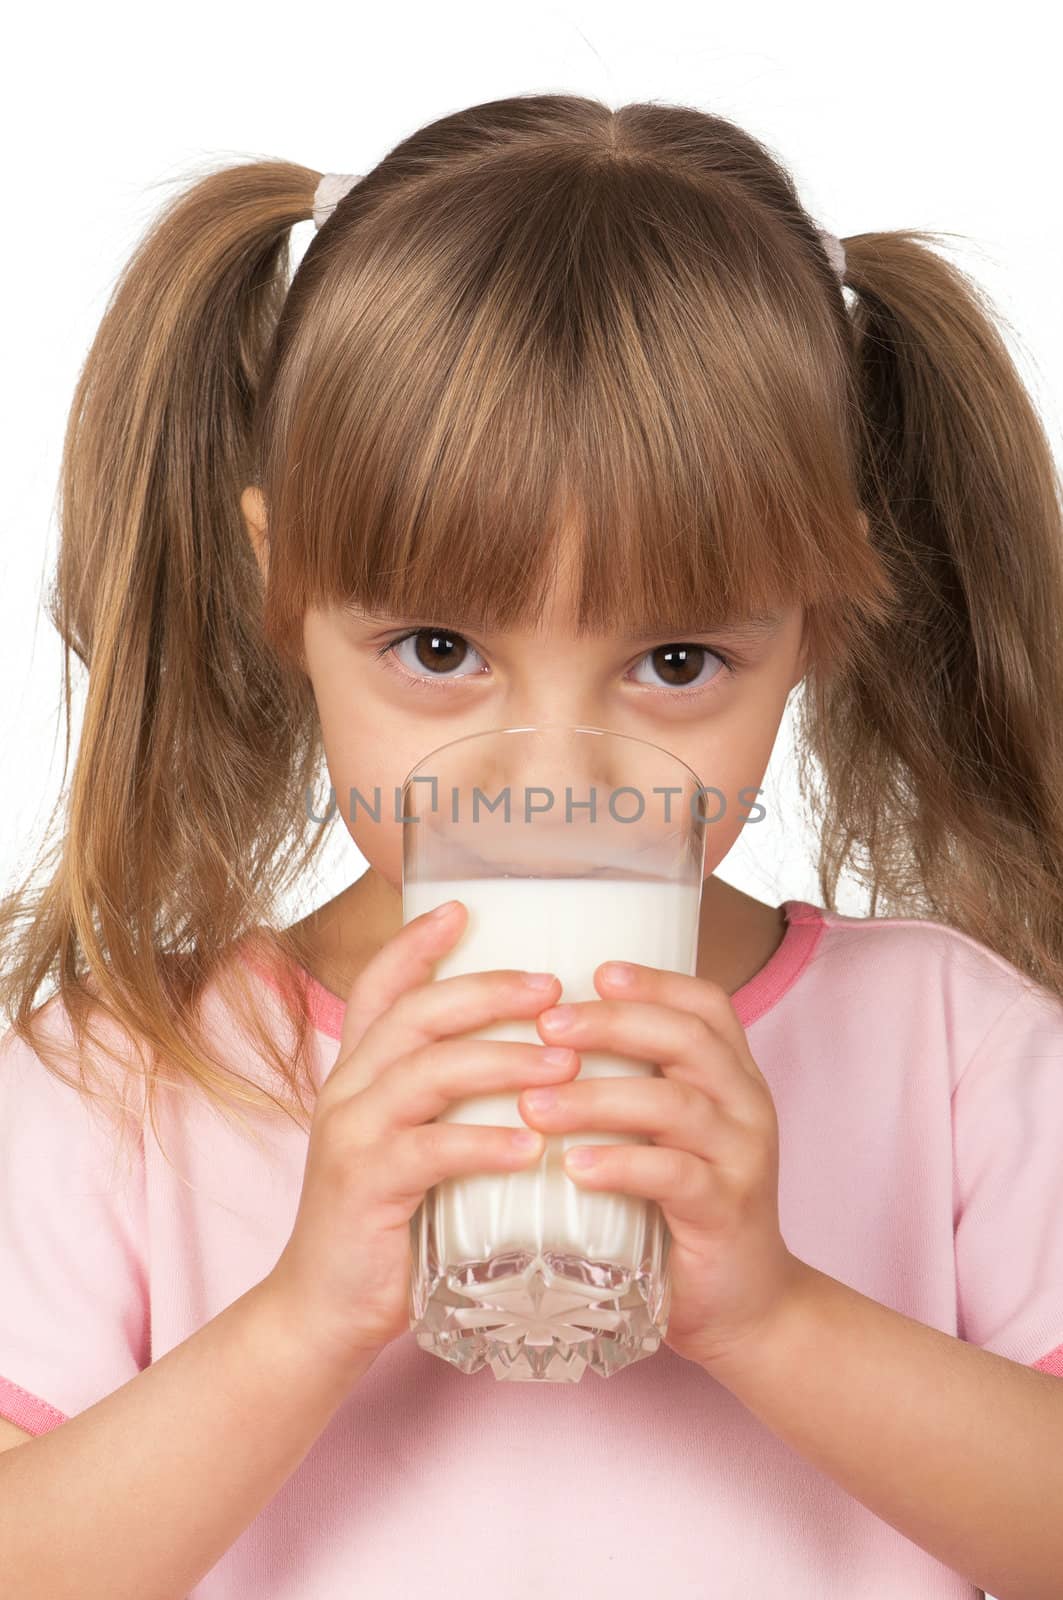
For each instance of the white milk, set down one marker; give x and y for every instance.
(567, 926)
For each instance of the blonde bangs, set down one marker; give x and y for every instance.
(514, 364)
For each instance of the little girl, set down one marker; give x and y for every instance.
(568, 415)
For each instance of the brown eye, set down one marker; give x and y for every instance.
(437, 651)
(679, 666)
(429, 657)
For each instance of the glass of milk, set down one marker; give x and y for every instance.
(569, 846)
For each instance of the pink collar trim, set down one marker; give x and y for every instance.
(804, 925)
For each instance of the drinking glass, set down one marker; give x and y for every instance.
(569, 846)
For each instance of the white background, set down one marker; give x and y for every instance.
(902, 117)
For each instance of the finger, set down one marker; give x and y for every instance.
(407, 959)
(686, 1188)
(421, 1086)
(699, 996)
(449, 1006)
(416, 1159)
(665, 1110)
(679, 1042)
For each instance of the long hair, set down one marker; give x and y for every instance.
(535, 319)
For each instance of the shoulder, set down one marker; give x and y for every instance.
(71, 1112)
(53, 1055)
(65, 1083)
(922, 950)
(915, 974)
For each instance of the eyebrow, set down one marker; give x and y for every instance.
(752, 625)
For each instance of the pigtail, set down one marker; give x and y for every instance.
(197, 743)
(941, 741)
(468, 322)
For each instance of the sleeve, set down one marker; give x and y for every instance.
(1007, 1123)
(73, 1284)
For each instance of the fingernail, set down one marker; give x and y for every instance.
(559, 1018)
(582, 1156)
(538, 980)
(541, 1099)
(442, 911)
(618, 972)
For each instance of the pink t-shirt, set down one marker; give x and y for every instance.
(918, 1081)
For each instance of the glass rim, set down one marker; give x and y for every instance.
(548, 727)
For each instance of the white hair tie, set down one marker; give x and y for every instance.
(334, 185)
(330, 191)
(835, 252)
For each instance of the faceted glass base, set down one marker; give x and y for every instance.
(541, 1315)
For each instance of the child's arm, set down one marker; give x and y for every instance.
(958, 1448)
(140, 1494)
(137, 1497)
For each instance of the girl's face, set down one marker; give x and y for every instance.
(391, 690)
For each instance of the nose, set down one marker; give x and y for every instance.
(544, 759)
(563, 797)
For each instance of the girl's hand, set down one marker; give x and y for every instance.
(374, 1150)
(713, 1161)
